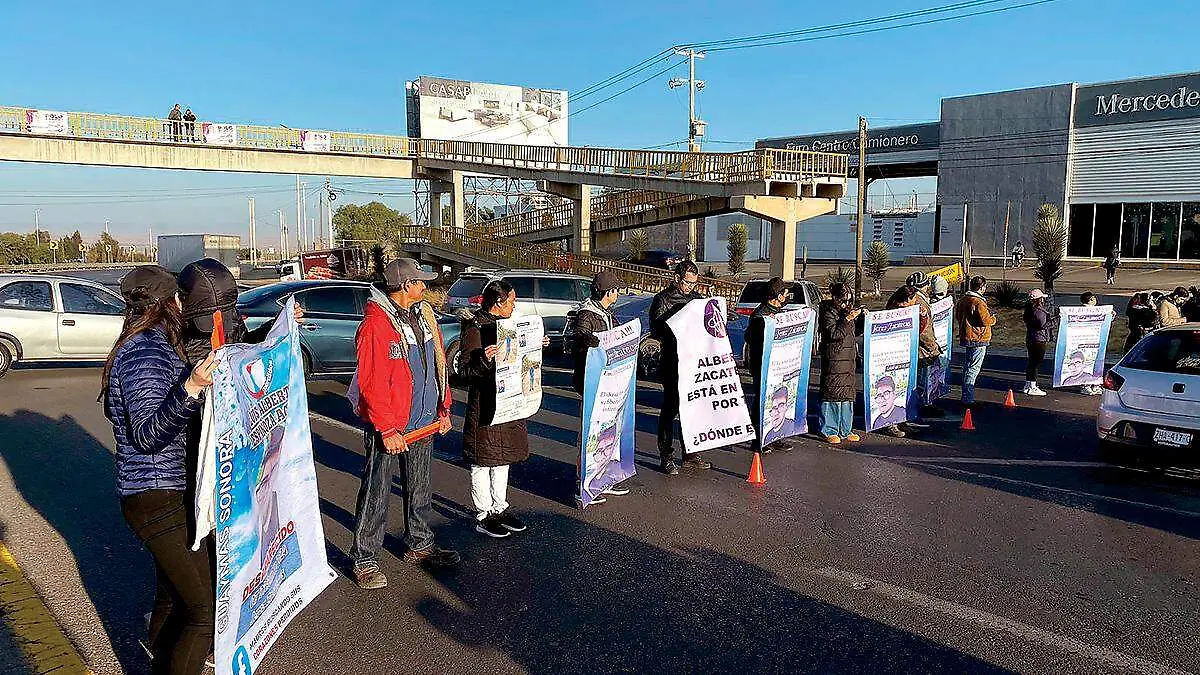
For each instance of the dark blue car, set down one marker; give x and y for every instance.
(332, 312)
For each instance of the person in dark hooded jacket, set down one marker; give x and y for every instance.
(837, 324)
(490, 449)
(664, 306)
(779, 292)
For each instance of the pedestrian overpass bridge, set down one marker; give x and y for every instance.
(643, 187)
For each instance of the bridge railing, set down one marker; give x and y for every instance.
(481, 245)
(604, 205)
(719, 167)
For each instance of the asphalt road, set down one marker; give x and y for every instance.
(1012, 548)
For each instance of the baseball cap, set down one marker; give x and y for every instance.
(917, 279)
(605, 281)
(206, 286)
(147, 284)
(776, 286)
(1036, 294)
(403, 270)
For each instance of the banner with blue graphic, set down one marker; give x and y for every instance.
(1082, 339)
(938, 384)
(890, 366)
(783, 390)
(609, 389)
(270, 547)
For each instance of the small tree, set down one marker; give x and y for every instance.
(637, 243)
(876, 263)
(841, 275)
(739, 237)
(1049, 244)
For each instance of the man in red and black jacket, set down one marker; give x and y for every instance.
(402, 387)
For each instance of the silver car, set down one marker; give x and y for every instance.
(45, 318)
(1151, 399)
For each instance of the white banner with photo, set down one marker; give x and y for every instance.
(47, 122)
(938, 383)
(518, 368)
(220, 134)
(712, 407)
(890, 366)
(787, 356)
(315, 141)
(1082, 339)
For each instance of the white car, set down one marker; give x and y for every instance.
(1151, 399)
(550, 295)
(45, 318)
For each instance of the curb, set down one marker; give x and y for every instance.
(34, 629)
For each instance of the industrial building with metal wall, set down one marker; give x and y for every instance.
(1120, 160)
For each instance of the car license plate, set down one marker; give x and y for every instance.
(1174, 439)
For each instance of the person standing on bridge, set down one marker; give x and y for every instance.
(175, 117)
(402, 384)
(594, 316)
(189, 124)
(664, 306)
(150, 395)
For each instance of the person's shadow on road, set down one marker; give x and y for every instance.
(69, 478)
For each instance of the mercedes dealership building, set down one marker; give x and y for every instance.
(1121, 161)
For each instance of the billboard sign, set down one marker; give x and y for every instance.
(495, 113)
(905, 138)
(1147, 100)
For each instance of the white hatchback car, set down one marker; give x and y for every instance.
(1152, 397)
(45, 318)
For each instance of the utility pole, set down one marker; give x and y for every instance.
(329, 210)
(106, 226)
(299, 218)
(862, 207)
(253, 240)
(696, 126)
(283, 250)
(37, 227)
(149, 241)
(303, 224)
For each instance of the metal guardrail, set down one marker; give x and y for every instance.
(713, 167)
(478, 244)
(45, 268)
(605, 205)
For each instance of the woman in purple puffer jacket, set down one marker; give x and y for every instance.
(149, 396)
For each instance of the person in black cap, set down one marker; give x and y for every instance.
(402, 386)
(595, 315)
(779, 294)
(149, 395)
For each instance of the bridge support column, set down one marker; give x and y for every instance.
(581, 212)
(783, 213)
(442, 183)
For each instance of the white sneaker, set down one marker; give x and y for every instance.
(1027, 388)
(1035, 391)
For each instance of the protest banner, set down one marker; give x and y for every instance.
(315, 141)
(220, 134)
(890, 365)
(609, 387)
(518, 366)
(712, 408)
(953, 274)
(938, 384)
(257, 484)
(786, 358)
(1082, 339)
(47, 122)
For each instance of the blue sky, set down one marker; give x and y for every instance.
(343, 66)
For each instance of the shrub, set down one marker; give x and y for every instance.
(876, 263)
(637, 243)
(1049, 243)
(739, 236)
(841, 275)
(1007, 293)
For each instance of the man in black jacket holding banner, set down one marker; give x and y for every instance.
(669, 301)
(778, 294)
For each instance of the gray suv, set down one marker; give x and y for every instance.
(550, 295)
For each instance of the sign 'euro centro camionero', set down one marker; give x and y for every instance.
(712, 409)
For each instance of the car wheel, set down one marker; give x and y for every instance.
(6, 357)
(452, 361)
(649, 356)
(307, 359)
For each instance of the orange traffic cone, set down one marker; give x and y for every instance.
(756, 476)
(1009, 401)
(967, 424)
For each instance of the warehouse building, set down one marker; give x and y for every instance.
(1120, 160)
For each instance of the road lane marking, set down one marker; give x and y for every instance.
(1124, 662)
(34, 629)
